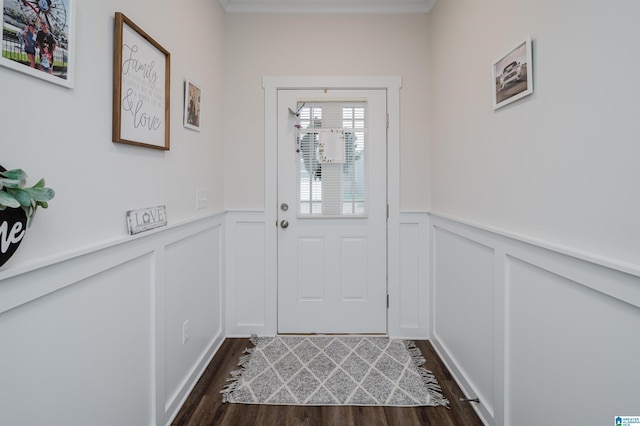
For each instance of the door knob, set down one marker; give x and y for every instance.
(284, 224)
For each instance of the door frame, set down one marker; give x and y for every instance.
(271, 85)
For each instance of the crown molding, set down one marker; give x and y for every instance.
(327, 6)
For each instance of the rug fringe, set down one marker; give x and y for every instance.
(430, 381)
(235, 374)
(254, 339)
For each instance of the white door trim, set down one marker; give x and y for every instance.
(271, 86)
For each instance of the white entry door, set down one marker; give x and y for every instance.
(332, 211)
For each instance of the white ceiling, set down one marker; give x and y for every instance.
(327, 6)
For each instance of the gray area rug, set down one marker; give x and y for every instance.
(333, 370)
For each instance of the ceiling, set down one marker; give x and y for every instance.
(327, 6)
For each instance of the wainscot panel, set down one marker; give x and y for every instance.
(408, 282)
(251, 287)
(70, 357)
(592, 350)
(563, 331)
(464, 307)
(193, 297)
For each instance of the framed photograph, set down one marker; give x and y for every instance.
(38, 39)
(192, 105)
(513, 75)
(141, 74)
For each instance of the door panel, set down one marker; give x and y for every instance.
(332, 232)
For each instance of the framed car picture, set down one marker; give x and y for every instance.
(513, 75)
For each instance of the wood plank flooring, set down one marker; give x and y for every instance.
(204, 405)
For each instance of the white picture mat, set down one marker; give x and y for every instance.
(143, 90)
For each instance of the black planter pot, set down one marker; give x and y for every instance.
(13, 225)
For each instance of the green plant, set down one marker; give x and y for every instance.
(14, 194)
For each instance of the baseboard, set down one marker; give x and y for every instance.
(459, 378)
(181, 396)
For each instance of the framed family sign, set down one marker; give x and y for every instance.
(38, 39)
(141, 75)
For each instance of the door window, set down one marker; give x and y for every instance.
(332, 172)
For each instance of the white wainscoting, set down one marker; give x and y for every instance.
(408, 272)
(541, 335)
(251, 266)
(95, 336)
(251, 275)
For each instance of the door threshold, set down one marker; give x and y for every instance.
(335, 334)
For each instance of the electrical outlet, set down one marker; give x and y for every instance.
(185, 332)
(202, 199)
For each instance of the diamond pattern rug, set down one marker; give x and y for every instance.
(333, 370)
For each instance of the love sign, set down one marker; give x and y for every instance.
(13, 225)
(146, 219)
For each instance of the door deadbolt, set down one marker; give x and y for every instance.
(284, 207)
(284, 224)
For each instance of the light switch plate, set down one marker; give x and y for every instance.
(202, 199)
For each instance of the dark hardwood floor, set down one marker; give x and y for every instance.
(204, 405)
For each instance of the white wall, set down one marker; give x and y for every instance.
(328, 45)
(560, 165)
(65, 135)
(334, 46)
(251, 303)
(91, 318)
(535, 260)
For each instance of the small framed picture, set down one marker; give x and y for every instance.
(38, 39)
(192, 105)
(513, 75)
